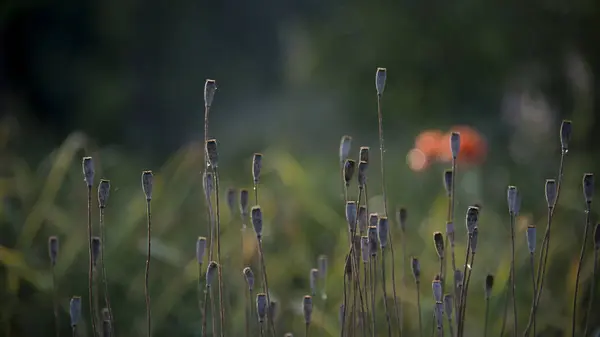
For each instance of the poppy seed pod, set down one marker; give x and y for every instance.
(88, 170)
(450, 232)
(307, 309)
(256, 167)
(438, 241)
(511, 196)
(313, 277)
(210, 273)
(474, 239)
(448, 304)
(448, 181)
(455, 144)
(210, 87)
(401, 216)
(489, 284)
(472, 218)
(373, 219)
(345, 145)
(147, 183)
(364, 154)
(362, 219)
(551, 192)
(373, 242)
(75, 310)
(103, 192)
(436, 287)
(531, 238)
(249, 276)
(212, 153)
(200, 249)
(565, 135)
(416, 269)
(364, 248)
(244, 202)
(261, 306)
(257, 220)
(53, 249)
(351, 215)
(349, 168)
(383, 231)
(322, 262)
(588, 187)
(362, 174)
(95, 250)
(380, 78)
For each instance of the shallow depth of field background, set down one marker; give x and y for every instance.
(122, 81)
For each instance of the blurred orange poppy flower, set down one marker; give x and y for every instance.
(473, 146)
(428, 142)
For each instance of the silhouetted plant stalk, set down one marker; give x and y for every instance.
(438, 311)
(383, 231)
(594, 275)
(147, 183)
(257, 222)
(552, 198)
(75, 313)
(416, 271)
(103, 194)
(450, 185)
(96, 244)
(401, 217)
(200, 252)
(88, 174)
(53, 248)
(249, 276)
(307, 310)
(208, 185)
(347, 275)
(489, 285)
(473, 248)
(364, 248)
(471, 223)
(588, 193)
(373, 247)
(513, 210)
(531, 242)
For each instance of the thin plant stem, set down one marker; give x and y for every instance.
(532, 263)
(74, 330)
(366, 293)
(55, 303)
(90, 271)
(463, 313)
(418, 283)
(266, 284)
(202, 312)
(383, 286)
(374, 290)
(213, 311)
(96, 306)
(505, 316)
(345, 304)
(581, 255)
(513, 279)
(104, 277)
(220, 270)
(451, 203)
(396, 309)
(306, 330)
(404, 263)
(461, 293)
(487, 315)
(251, 296)
(592, 288)
(262, 329)
(450, 325)
(147, 271)
(247, 310)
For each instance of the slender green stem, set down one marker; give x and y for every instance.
(487, 314)
(450, 325)
(90, 271)
(251, 296)
(104, 277)
(247, 310)
(55, 303)
(220, 270)
(506, 297)
(266, 284)
(461, 294)
(96, 306)
(419, 308)
(592, 288)
(345, 304)
(306, 330)
(372, 284)
(75, 333)
(383, 286)
(213, 312)
(262, 329)
(404, 263)
(205, 312)
(463, 313)
(202, 313)
(532, 263)
(513, 279)
(581, 255)
(147, 271)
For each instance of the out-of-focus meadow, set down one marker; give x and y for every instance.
(122, 81)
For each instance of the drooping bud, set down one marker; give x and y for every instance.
(364, 248)
(588, 187)
(380, 78)
(436, 287)
(257, 220)
(565, 135)
(256, 167)
(322, 262)
(210, 87)
(472, 218)
(362, 174)
(249, 276)
(210, 272)
(75, 310)
(345, 144)
(200, 249)
(261, 306)
(53, 249)
(383, 231)
(103, 192)
(349, 168)
(551, 192)
(307, 309)
(448, 182)
(231, 200)
(351, 215)
(474, 239)
(531, 238)
(95, 250)
(362, 219)
(373, 241)
(401, 215)
(313, 276)
(450, 232)
(455, 144)
(147, 183)
(416, 269)
(244, 202)
(438, 241)
(364, 154)
(489, 284)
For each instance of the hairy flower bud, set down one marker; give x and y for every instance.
(489, 284)
(261, 306)
(448, 182)
(351, 212)
(416, 269)
(210, 273)
(383, 231)
(256, 167)
(210, 87)
(472, 218)
(401, 216)
(438, 241)
(75, 310)
(307, 309)
(588, 187)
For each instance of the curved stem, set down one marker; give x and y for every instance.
(345, 304)
(200, 292)
(581, 255)
(213, 311)
(463, 313)
(220, 270)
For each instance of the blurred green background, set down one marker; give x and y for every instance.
(122, 81)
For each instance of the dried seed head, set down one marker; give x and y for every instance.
(551, 192)
(362, 219)
(256, 167)
(450, 232)
(147, 181)
(362, 174)
(458, 277)
(249, 276)
(597, 237)
(88, 171)
(210, 273)
(231, 200)
(313, 276)
(448, 305)
(588, 187)
(512, 199)
(351, 215)
(436, 287)
(531, 238)
(349, 168)
(474, 239)
(208, 184)
(75, 310)
(322, 262)
(244, 202)
(383, 231)
(212, 153)
(364, 154)
(53, 249)
(416, 269)
(210, 86)
(438, 241)
(200, 249)
(448, 182)
(489, 284)
(380, 77)
(96, 243)
(261, 306)
(345, 144)
(472, 218)
(401, 218)
(565, 135)
(257, 220)
(103, 192)
(373, 241)
(364, 248)
(307, 309)
(455, 144)
(106, 328)
(439, 314)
